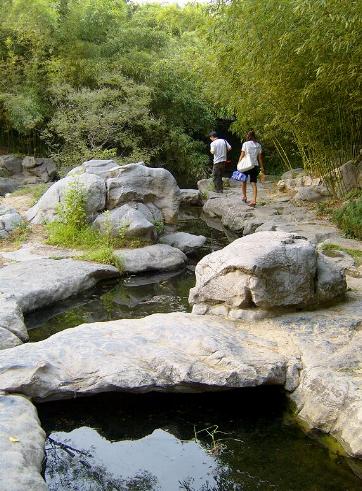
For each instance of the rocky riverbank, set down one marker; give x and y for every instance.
(275, 278)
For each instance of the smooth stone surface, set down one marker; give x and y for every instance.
(177, 352)
(157, 257)
(136, 182)
(187, 243)
(38, 283)
(46, 208)
(137, 220)
(101, 168)
(265, 270)
(21, 445)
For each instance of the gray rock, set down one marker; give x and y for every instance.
(39, 283)
(43, 168)
(187, 243)
(101, 168)
(190, 197)
(11, 163)
(331, 280)
(21, 445)
(157, 257)
(45, 209)
(177, 352)
(308, 193)
(11, 316)
(350, 175)
(9, 220)
(8, 339)
(136, 182)
(7, 185)
(137, 220)
(267, 270)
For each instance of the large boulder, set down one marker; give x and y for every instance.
(43, 168)
(164, 352)
(263, 272)
(187, 243)
(157, 257)
(45, 210)
(135, 219)
(136, 182)
(21, 445)
(101, 168)
(11, 163)
(9, 220)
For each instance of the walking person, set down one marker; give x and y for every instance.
(252, 149)
(219, 148)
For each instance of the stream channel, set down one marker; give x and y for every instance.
(238, 440)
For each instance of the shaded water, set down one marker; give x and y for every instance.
(160, 442)
(241, 440)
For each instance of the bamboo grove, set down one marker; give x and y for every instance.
(106, 78)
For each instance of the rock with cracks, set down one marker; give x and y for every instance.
(263, 272)
(136, 182)
(21, 445)
(178, 352)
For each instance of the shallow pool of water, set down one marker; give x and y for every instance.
(241, 440)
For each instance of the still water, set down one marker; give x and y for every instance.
(240, 440)
(227, 441)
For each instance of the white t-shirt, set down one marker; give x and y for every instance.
(253, 149)
(218, 149)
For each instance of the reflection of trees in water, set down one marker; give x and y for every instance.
(71, 469)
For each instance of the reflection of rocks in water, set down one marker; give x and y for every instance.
(147, 442)
(132, 297)
(157, 461)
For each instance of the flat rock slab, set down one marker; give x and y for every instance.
(187, 243)
(157, 257)
(21, 445)
(38, 283)
(163, 352)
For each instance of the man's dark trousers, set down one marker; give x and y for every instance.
(217, 173)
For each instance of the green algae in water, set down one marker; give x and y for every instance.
(147, 442)
(130, 298)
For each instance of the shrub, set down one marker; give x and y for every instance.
(349, 218)
(72, 230)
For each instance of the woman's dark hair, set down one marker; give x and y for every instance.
(213, 134)
(250, 136)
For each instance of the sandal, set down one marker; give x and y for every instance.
(245, 200)
(252, 204)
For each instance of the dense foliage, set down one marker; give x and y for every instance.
(104, 78)
(100, 78)
(291, 69)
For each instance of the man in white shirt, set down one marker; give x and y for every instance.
(219, 148)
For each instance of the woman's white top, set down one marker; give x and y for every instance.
(253, 149)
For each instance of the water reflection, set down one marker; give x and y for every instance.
(132, 297)
(227, 441)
